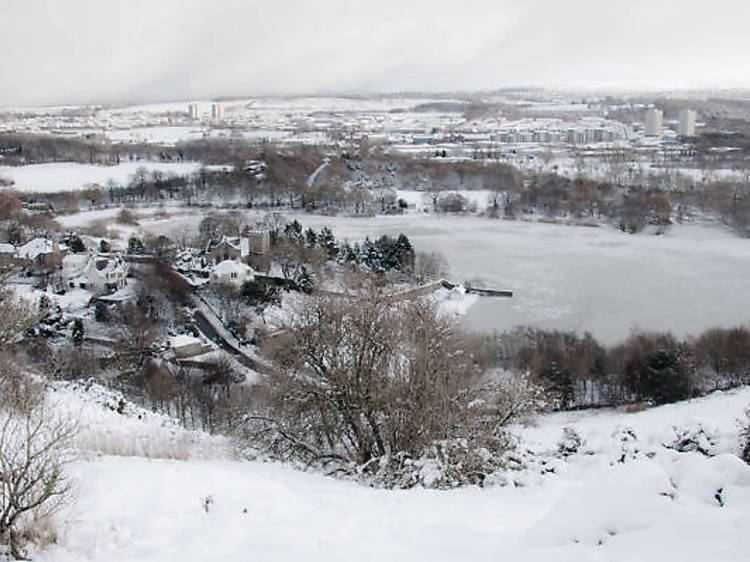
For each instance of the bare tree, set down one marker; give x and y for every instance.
(34, 446)
(429, 267)
(366, 379)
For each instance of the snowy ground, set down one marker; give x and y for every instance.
(69, 176)
(658, 503)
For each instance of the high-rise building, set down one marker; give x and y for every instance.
(654, 122)
(686, 127)
(193, 111)
(217, 111)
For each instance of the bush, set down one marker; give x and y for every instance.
(451, 202)
(664, 377)
(135, 246)
(745, 437)
(570, 443)
(126, 217)
(77, 332)
(259, 294)
(365, 381)
(694, 439)
(75, 244)
(101, 311)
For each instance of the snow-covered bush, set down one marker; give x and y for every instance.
(570, 443)
(629, 447)
(697, 438)
(445, 464)
(745, 437)
(368, 381)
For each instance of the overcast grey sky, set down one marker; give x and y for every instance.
(65, 51)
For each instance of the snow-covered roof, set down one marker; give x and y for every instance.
(75, 260)
(231, 242)
(227, 267)
(7, 249)
(36, 247)
(104, 266)
(183, 341)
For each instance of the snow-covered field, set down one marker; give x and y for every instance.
(69, 176)
(657, 504)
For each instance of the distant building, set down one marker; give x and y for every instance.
(8, 255)
(686, 127)
(194, 111)
(258, 242)
(654, 122)
(371, 141)
(217, 111)
(255, 242)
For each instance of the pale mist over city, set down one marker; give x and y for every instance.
(343, 280)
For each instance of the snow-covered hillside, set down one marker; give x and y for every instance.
(622, 496)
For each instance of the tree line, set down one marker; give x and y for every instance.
(657, 368)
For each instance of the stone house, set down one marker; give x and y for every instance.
(41, 254)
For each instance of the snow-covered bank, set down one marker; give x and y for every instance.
(657, 503)
(107, 424)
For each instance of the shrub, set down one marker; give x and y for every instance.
(451, 202)
(745, 437)
(664, 377)
(101, 312)
(570, 443)
(365, 381)
(694, 439)
(259, 294)
(135, 246)
(126, 217)
(77, 332)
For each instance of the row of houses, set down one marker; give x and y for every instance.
(226, 260)
(100, 273)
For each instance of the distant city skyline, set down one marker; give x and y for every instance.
(85, 51)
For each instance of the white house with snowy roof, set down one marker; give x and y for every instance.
(101, 274)
(232, 272)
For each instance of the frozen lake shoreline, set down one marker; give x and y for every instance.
(594, 279)
(598, 280)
